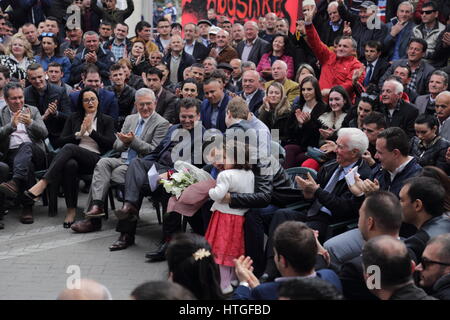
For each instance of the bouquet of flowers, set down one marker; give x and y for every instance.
(178, 181)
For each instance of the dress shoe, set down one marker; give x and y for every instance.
(26, 216)
(124, 241)
(126, 212)
(159, 254)
(95, 212)
(85, 226)
(9, 188)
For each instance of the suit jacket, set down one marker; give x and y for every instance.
(200, 51)
(166, 105)
(36, 131)
(153, 132)
(256, 101)
(380, 68)
(422, 102)
(186, 61)
(269, 290)
(259, 48)
(423, 75)
(54, 123)
(108, 102)
(353, 283)
(227, 54)
(403, 117)
(104, 135)
(206, 112)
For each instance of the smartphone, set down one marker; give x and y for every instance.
(394, 21)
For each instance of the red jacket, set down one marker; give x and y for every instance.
(264, 63)
(335, 71)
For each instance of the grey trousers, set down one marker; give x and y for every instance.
(106, 170)
(344, 247)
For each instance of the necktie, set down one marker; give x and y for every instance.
(368, 75)
(131, 152)
(315, 208)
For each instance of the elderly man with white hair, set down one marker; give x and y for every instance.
(329, 195)
(279, 74)
(253, 47)
(398, 112)
(223, 52)
(443, 114)
(140, 135)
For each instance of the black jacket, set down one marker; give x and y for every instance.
(441, 54)
(256, 101)
(54, 123)
(441, 288)
(105, 59)
(322, 24)
(433, 155)
(166, 105)
(430, 229)
(200, 52)
(353, 282)
(104, 135)
(403, 118)
(136, 81)
(410, 292)
(186, 61)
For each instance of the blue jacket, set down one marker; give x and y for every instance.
(63, 61)
(269, 290)
(108, 102)
(37, 9)
(206, 112)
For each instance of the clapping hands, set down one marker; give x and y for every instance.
(244, 271)
(302, 117)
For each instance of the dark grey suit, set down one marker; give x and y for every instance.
(259, 48)
(422, 102)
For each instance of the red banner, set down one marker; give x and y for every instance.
(240, 10)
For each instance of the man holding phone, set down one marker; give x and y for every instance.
(399, 32)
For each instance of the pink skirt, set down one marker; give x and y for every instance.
(225, 234)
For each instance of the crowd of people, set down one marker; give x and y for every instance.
(359, 112)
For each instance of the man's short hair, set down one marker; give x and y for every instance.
(431, 4)
(5, 71)
(384, 207)
(396, 138)
(161, 290)
(55, 65)
(248, 64)
(397, 84)
(296, 242)
(308, 289)
(376, 117)
(106, 23)
(374, 44)
(197, 65)
(444, 241)
(212, 59)
(144, 92)
(441, 73)
(115, 67)
(90, 68)
(141, 25)
(188, 103)
(391, 257)
(420, 41)
(34, 67)
(358, 139)
(162, 20)
(405, 67)
(10, 86)
(90, 33)
(219, 74)
(210, 80)
(123, 24)
(354, 43)
(154, 70)
(429, 191)
(238, 108)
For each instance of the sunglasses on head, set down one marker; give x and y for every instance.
(47, 34)
(427, 262)
(427, 11)
(368, 96)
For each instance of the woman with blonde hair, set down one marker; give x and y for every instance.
(275, 111)
(18, 56)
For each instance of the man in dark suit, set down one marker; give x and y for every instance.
(166, 100)
(177, 59)
(380, 214)
(213, 108)
(108, 101)
(136, 180)
(437, 84)
(375, 65)
(398, 112)
(51, 101)
(394, 270)
(296, 248)
(192, 46)
(252, 93)
(421, 71)
(253, 47)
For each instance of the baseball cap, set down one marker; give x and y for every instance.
(214, 30)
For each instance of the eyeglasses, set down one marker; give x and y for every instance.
(89, 100)
(426, 262)
(427, 11)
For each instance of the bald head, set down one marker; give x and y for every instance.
(176, 44)
(442, 105)
(89, 290)
(271, 20)
(250, 81)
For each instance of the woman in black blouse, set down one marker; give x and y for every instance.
(87, 135)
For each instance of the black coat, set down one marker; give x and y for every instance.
(200, 52)
(441, 288)
(104, 135)
(186, 61)
(166, 105)
(403, 118)
(379, 70)
(353, 282)
(433, 155)
(410, 292)
(54, 124)
(256, 101)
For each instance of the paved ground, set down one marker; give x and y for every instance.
(34, 258)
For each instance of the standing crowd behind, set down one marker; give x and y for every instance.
(354, 122)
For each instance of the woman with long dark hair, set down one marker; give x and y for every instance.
(279, 52)
(338, 104)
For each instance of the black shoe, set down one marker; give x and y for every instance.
(159, 254)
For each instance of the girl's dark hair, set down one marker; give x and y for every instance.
(343, 93)
(428, 119)
(285, 39)
(198, 273)
(316, 87)
(55, 40)
(240, 152)
(80, 108)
